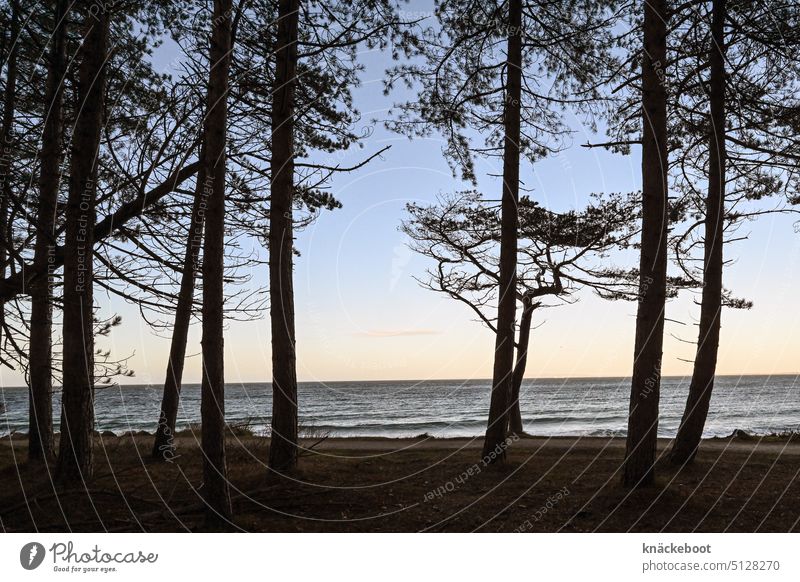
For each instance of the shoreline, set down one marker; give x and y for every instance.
(525, 440)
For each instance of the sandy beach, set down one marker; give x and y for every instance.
(550, 484)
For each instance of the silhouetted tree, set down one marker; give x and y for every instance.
(502, 69)
(325, 125)
(7, 136)
(216, 490)
(75, 458)
(558, 253)
(640, 452)
(502, 372)
(316, 43)
(736, 111)
(124, 192)
(40, 433)
(283, 444)
(691, 427)
(164, 447)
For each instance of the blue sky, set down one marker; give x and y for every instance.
(361, 315)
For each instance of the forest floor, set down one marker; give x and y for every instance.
(422, 484)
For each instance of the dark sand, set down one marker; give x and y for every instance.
(556, 484)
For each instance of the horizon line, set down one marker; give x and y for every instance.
(420, 380)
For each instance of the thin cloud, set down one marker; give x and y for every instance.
(396, 332)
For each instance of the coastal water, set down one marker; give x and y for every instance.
(447, 408)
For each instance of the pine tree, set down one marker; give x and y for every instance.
(40, 435)
(558, 253)
(640, 451)
(504, 70)
(216, 489)
(75, 454)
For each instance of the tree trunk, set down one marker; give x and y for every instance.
(494, 442)
(515, 414)
(640, 453)
(283, 442)
(40, 432)
(705, 363)
(216, 490)
(164, 445)
(7, 150)
(75, 448)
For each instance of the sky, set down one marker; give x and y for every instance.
(362, 316)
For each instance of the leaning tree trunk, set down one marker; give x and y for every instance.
(40, 432)
(216, 489)
(640, 453)
(283, 442)
(164, 445)
(514, 413)
(705, 363)
(494, 441)
(75, 447)
(7, 150)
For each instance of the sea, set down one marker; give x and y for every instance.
(445, 408)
